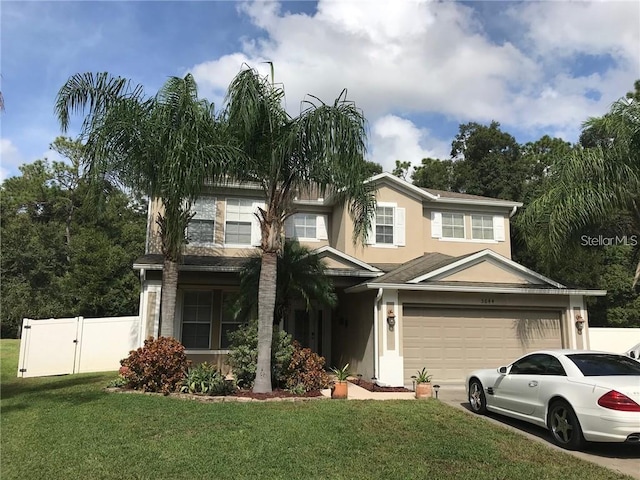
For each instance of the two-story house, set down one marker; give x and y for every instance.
(434, 286)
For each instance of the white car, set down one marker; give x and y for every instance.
(634, 352)
(577, 394)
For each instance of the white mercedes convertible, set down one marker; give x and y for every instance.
(579, 395)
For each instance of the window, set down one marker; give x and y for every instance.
(603, 364)
(482, 227)
(201, 228)
(228, 323)
(384, 225)
(530, 365)
(196, 319)
(388, 226)
(238, 222)
(453, 225)
(304, 225)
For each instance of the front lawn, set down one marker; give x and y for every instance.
(67, 427)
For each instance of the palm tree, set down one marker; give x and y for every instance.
(301, 275)
(322, 148)
(166, 146)
(593, 185)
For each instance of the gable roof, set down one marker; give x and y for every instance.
(434, 271)
(441, 196)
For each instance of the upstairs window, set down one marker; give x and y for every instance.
(239, 218)
(306, 226)
(384, 225)
(482, 227)
(201, 227)
(452, 225)
(388, 226)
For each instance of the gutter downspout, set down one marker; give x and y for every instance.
(376, 357)
(513, 212)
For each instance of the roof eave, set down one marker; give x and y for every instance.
(479, 289)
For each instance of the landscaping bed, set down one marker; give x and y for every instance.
(372, 387)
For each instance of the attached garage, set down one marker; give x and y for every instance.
(450, 342)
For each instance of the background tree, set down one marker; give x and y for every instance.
(593, 187)
(372, 168)
(487, 162)
(43, 275)
(323, 147)
(165, 146)
(434, 173)
(301, 275)
(401, 169)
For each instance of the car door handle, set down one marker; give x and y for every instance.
(533, 383)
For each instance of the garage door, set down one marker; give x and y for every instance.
(452, 342)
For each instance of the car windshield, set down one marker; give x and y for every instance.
(602, 364)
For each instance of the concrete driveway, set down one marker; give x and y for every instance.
(623, 458)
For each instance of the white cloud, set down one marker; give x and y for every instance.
(11, 159)
(394, 138)
(400, 58)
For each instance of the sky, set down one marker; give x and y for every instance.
(416, 69)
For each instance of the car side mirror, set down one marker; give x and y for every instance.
(632, 354)
(502, 370)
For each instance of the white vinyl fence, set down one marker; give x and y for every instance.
(617, 340)
(59, 346)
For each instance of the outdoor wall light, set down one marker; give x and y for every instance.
(391, 319)
(580, 323)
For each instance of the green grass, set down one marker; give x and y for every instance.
(67, 427)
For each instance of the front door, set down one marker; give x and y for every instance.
(311, 329)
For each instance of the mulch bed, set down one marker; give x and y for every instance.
(372, 387)
(274, 394)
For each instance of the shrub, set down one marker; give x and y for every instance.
(159, 366)
(306, 369)
(243, 356)
(206, 379)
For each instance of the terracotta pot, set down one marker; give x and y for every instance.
(339, 390)
(423, 390)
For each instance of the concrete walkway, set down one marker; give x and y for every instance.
(448, 393)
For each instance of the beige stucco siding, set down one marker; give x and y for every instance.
(487, 271)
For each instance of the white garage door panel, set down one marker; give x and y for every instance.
(451, 342)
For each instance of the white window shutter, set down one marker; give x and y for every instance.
(371, 233)
(498, 228)
(289, 231)
(436, 224)
(399, 227)
(256, 233)
(321, 227)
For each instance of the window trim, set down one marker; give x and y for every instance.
(182, 321)
(399, 227)
(392, 225)
(197, 217)
(464, 226)
(251, 222)
(482, 216)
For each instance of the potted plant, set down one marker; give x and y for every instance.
(423, 384)
(340, 387)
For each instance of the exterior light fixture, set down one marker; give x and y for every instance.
(435, 389)
(391, 319)
(580, 323)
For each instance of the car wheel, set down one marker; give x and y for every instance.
(477, 400)
(564, 426)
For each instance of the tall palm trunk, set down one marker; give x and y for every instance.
(266, 307)
(168, 299)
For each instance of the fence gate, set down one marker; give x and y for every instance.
(59, 346)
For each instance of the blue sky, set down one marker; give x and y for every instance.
(417, 69)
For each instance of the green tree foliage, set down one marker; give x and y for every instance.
(62, 254)
(401, 169)
(372, 168)
(164, 146)
(322, 148)
(490, 162)
(434, 173)
(301, 275)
